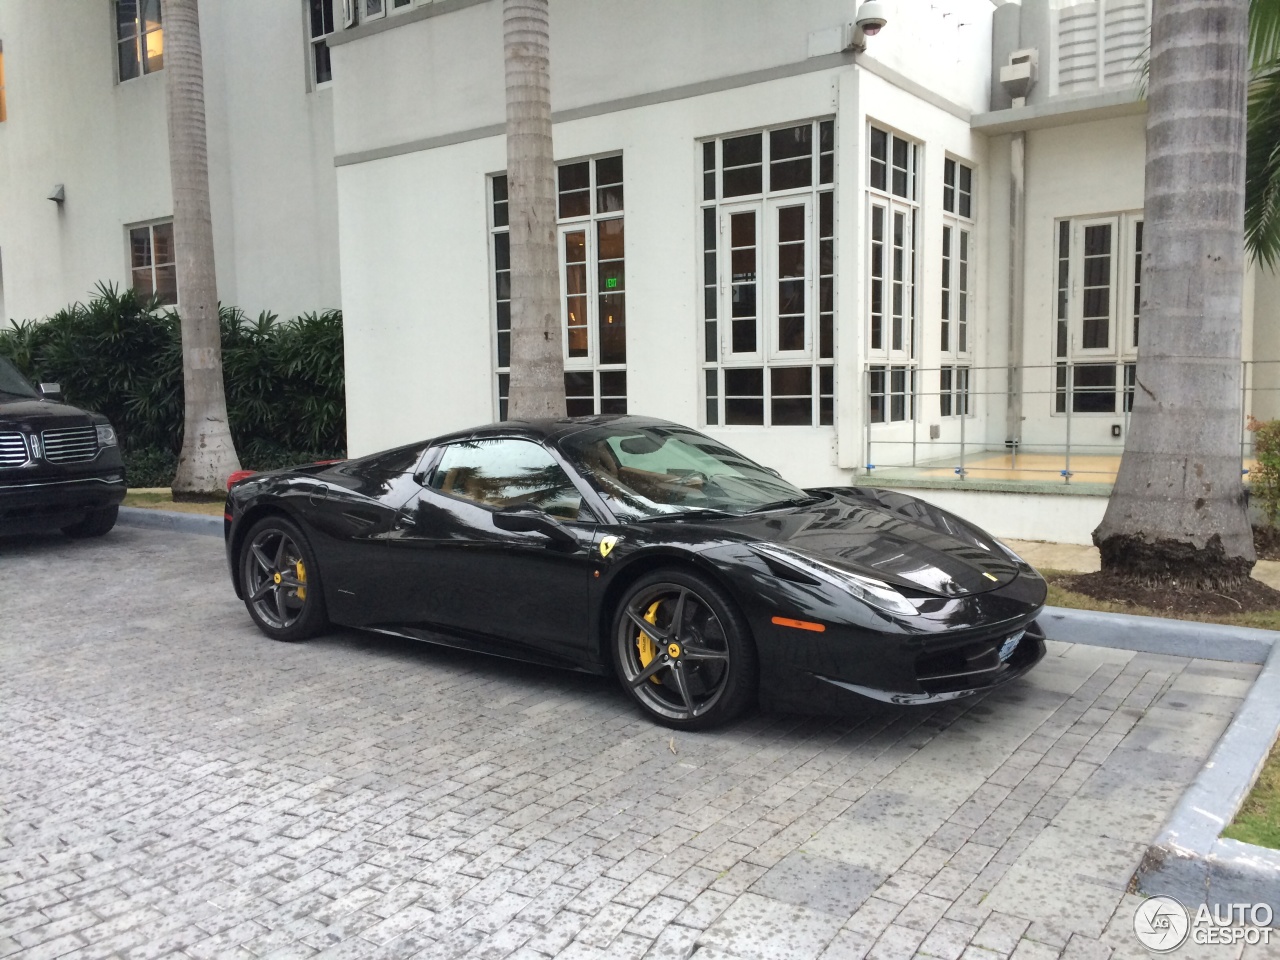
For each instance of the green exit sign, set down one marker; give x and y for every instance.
(610, 283)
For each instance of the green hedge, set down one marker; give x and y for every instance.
(121, 355)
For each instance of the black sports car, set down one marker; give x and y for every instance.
(633, 545)
(59, 465)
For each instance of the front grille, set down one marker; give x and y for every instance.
(70, 445)
(13, 449)
(979, 662)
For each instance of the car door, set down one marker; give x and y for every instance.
(515, 593)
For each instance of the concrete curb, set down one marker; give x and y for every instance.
(1189, 860)
(1176, 638)
(171, 520)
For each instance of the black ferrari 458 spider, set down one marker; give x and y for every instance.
(632, 545)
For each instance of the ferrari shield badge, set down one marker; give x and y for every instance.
(607, 544)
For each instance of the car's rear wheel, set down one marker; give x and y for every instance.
(683, 651)
(280, 581)
(95, 524)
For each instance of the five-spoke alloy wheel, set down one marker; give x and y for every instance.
(281, 581)
(683, 651)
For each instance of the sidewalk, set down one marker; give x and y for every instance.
(1075, 558)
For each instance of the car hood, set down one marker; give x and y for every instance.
(40, 415)
(886, 535)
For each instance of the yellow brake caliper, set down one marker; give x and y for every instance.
(645, 644)
(301, 592)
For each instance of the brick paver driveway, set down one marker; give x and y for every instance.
(174, 783)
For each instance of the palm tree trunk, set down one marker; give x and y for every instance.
(208, 455)
(1177, 511)
(537, 359)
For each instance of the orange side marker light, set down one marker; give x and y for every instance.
(800, 624)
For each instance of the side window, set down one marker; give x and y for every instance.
(503, 473)
(139, 38)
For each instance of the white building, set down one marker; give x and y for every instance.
(845, 263)
(82, 84)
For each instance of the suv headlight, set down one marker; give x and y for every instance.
(106, 435)
(874, 593)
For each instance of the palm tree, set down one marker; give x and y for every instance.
(537, 361)
(208, 454)
(1262, 184)
(1177, 510)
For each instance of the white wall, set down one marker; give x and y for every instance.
(438, 76)
(270, 148)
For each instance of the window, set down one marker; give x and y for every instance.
(768, 276)
(957, 260)
(957, 188)
(151, 261)
(591, 240)
(4, 111)
(320, 23)
(891, 393)
(1099, 293)
(373, 9)
(891, 289)
(139, 38)
(506, 472)
(953, 391)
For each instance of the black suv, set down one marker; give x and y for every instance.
(59, 466)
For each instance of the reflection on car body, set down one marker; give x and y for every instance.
(630, 545)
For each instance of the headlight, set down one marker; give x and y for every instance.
(106, 435)
(874, 593)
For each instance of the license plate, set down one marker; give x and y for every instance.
(1010, 645)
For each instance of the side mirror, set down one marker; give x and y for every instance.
(525, 519)
(51, 391)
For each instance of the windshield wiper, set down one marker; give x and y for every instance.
(15, 393)
(700, 514)
(789, 502)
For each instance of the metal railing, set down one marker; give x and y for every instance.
(1050, 422)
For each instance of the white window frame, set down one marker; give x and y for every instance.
(139, 40)
(588, 224)
(1125, 280)
(765, 206)
(150, 227)
(314, 41)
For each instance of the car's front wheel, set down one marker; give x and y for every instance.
(280, 581)
(683, 651)
(95, 524)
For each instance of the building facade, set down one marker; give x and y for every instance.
(82, 83)
(918, 261)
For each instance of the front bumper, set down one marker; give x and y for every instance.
(29, 502)
(962, 669)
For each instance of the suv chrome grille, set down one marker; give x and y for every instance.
(13, 449)
(70, 445)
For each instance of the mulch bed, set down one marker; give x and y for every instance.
(1252, 596)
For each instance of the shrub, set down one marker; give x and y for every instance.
(1264, 479)
(121, 355)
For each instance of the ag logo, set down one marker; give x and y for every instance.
(607, 544)
(1161, 924)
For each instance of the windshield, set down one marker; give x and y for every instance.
(14, 383)
(659, 471)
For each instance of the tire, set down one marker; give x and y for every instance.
(280, 580)
(706, 667)
(95, 524)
